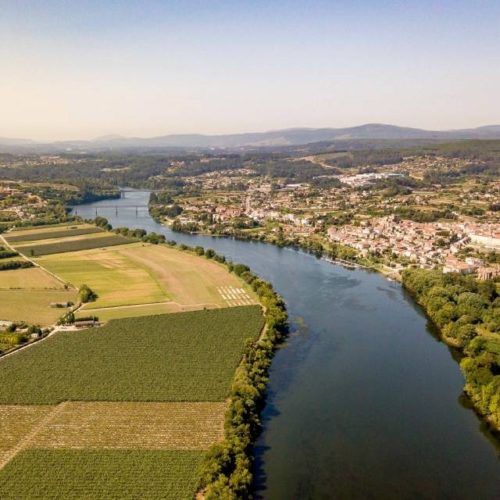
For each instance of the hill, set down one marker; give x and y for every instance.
(285, 137)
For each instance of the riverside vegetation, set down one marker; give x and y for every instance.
(467, 313)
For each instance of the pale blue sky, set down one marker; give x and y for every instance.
(80, 69)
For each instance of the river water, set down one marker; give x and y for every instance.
(364, 401)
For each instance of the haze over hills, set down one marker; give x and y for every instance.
(284, 137)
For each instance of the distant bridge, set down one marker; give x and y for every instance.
(116, 208)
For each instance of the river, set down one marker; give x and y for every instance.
(364, 401)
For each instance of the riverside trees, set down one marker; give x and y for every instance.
(467, 312)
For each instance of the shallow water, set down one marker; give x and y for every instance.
(364, 402)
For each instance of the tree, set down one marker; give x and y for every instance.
(86, 294)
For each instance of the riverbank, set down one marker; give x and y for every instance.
(464, 313)
(348, 372)
(316, 248)
(473, 390)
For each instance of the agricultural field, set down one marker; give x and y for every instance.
(160, 278)
(72, 244)
(126, 410)
(16, 422)
(58, 232)
(134, 311)
(32, 278)
(126, 425)
(110, 474)
(37, 229)
(33, 306)
(26, 295)
(173, 357)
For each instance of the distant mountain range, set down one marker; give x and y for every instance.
(285, 137)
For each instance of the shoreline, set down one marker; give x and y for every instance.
(391, 277)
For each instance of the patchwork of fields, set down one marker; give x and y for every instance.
(46, 234)
(126, 410)
(188, 356)
(27, 294)
(130, 278)
(73, 244)
(145, 274)
(153, 385)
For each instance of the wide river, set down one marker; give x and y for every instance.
(364, 401)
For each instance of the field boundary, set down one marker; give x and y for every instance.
(23, 444)
(35, 264)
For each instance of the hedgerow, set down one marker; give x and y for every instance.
(226, 469)
(7, 254)
(15, 264)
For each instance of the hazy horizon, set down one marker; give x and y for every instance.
(242, 132)
(81, 70)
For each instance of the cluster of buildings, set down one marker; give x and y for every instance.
(426, 244)
(304, 208)
(17, 203)
(360, 180)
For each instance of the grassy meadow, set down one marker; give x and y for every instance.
(143, 274)
(173, 357)
(33, 306)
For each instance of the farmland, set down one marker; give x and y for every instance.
(179, 357)
(134, 311)
(151, 426)
(113, 474)
(16, 421)
(126, 410)
(145, 274)
(33, 306)
(26, 295)
(73, 244)
(20, 237)
(32, 278)
(153, 279)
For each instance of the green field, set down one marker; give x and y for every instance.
(142, 273)
(45, 227)
(74, 245)
(60, 233)
(134, 311)
(33, 306)
(110, 474)
(173, 357)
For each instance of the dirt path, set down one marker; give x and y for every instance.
(21, 445)
(58, 328)
(35, 264)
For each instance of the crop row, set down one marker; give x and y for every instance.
(187, 356)
(74, 245)
(45, 235)
(110, 474)
(126, 425)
